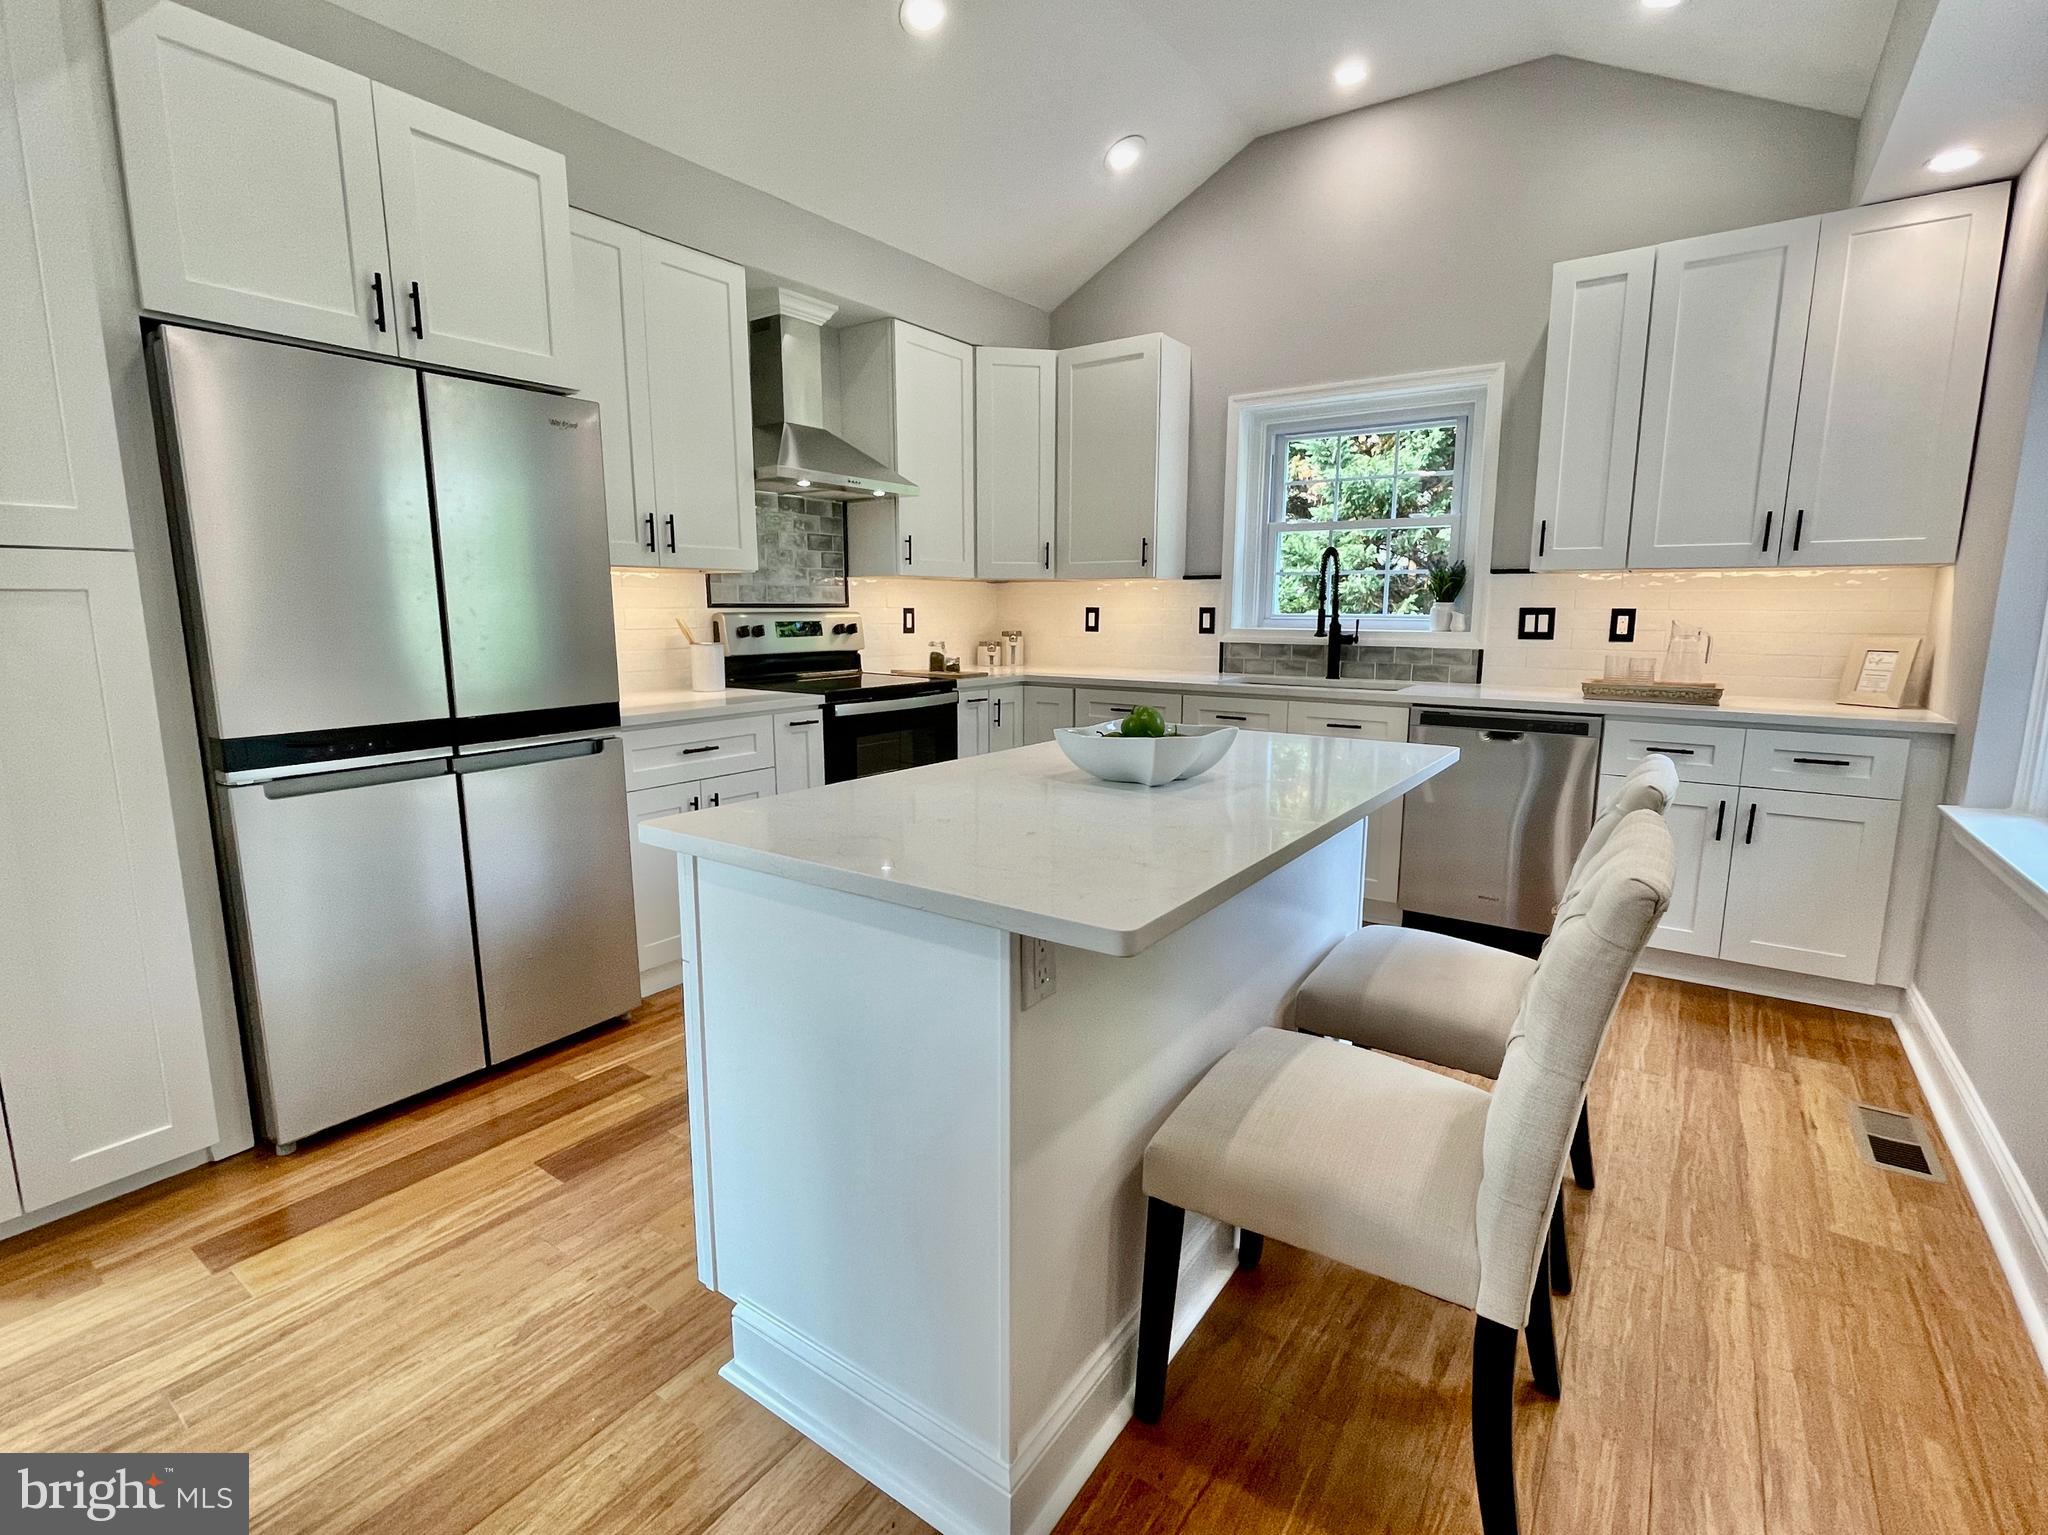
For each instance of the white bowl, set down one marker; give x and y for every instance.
(1185, 752)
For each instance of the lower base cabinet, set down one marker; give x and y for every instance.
(1363, 722)
(1700, 819)
(991, 719)
(103, 1060)
(1098, 706)
(1046, 709)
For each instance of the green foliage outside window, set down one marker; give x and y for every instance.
(1387, 501)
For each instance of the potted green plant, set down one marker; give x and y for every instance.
(1445, 583)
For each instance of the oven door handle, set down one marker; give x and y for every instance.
(893, 705)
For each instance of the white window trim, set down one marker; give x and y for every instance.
(1250, 423)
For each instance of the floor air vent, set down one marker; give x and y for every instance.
(1898, 1143)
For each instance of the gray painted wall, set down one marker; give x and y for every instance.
(1420, 233)
(624, 178)
(1888, 85)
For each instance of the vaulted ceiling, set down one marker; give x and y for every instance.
(980, 147)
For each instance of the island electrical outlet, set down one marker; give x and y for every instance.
(1035, 970)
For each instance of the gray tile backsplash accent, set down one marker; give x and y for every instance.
(1366, 662)
(803, 557)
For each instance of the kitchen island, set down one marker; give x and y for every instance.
(932, 1019)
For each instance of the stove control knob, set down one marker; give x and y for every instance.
(842, 629)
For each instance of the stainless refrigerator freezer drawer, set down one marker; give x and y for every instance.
(552, 875)
(302, 503)
(519, 499)
(359, 974)
(1491, 839)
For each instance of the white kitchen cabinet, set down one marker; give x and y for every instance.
(611, 333)
(1701, 820)
(1592, 408)
(1895, 351)
(1122, 459)
(1728, 319)
(1046, 709)
(1097, 706)
(974, 723)
(1015, 392)
(1005, 718)
(665, 357)
(799, 752)
(254, 193)
(907, 398)
(478, 223)
(60, 465)
(657, 907)
(1364, 722)
(1227, 709)
(103, 1059)
(1809, 883)
(274, 192)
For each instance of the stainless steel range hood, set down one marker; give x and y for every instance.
(794, 455)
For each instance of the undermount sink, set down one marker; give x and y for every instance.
(1349, 684)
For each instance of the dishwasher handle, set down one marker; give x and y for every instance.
(1502, 735)
(1514, 724)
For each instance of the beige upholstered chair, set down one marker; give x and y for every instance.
(1449, 1001)
(1409, 1174)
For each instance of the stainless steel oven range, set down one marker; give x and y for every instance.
(873, 722)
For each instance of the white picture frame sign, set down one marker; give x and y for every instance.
(1879, 671)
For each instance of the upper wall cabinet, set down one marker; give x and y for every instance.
(1895, 352)
(1720, 393)
(1015, 390)
(60, 465)
(1592, 405)
(1122, 459)
(1809, 392)
(907, 397)
(663, 333)
(274, 192)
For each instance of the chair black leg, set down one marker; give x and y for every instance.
(1155, 1305)
(1560, 1253)
(1250, 1248)
(1582, 1152)
(1541, 1338)
(1493, 1426)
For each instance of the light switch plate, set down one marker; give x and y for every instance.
(1205, 620)
(1536, 623)
(1091, 620)
(910, 620)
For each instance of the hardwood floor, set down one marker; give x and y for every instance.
(481, 1313)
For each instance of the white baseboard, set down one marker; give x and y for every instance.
(2009, 1209)
(1821, 991)
(957, 1487)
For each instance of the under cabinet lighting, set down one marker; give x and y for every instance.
(1125, 153)
(1960, 158)
(921, 18)
(1658, 5)
(803, 484)
(1349, 73)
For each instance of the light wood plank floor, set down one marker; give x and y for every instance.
(481, 1314)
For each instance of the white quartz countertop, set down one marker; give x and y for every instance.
(1734, 708)
(674, 705)
(1025, 841)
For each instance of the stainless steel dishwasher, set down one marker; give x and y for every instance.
(1492, 838)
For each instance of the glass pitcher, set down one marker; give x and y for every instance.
(1685, 655)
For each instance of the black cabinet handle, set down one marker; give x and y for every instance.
(377, 293)
(671, 535)
(1121, 708)
(997, 704)
(419, 315)
(1767, 530)
(693, 751)
(694, 802)
(650, 532)
(1798, 527)
(1542, 536)
(1720, 815)
(1240, 718)
(714, 801)
(1823, 761)
(1340, 725)
(1672, 751)
(1048, 556)
(1749, 831)
(1144, 552)
(795, 724)
(906, 548)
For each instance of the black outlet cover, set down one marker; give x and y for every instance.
(1536, 624)
(1091, 620)
(1205, 620)
(910, 620)
(1621, 626)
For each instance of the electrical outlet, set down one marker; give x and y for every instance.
(1621, 626)
(1035, 970)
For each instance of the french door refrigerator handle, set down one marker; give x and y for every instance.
(524, 756)
(360, 777)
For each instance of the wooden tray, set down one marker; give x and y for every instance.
(1609, 690)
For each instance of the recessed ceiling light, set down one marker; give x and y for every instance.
(922, 17)
(1350, 72)
(1960, 158)
(1658, 5)
(1125, 153)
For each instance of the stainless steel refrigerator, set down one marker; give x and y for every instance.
(397, 599)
